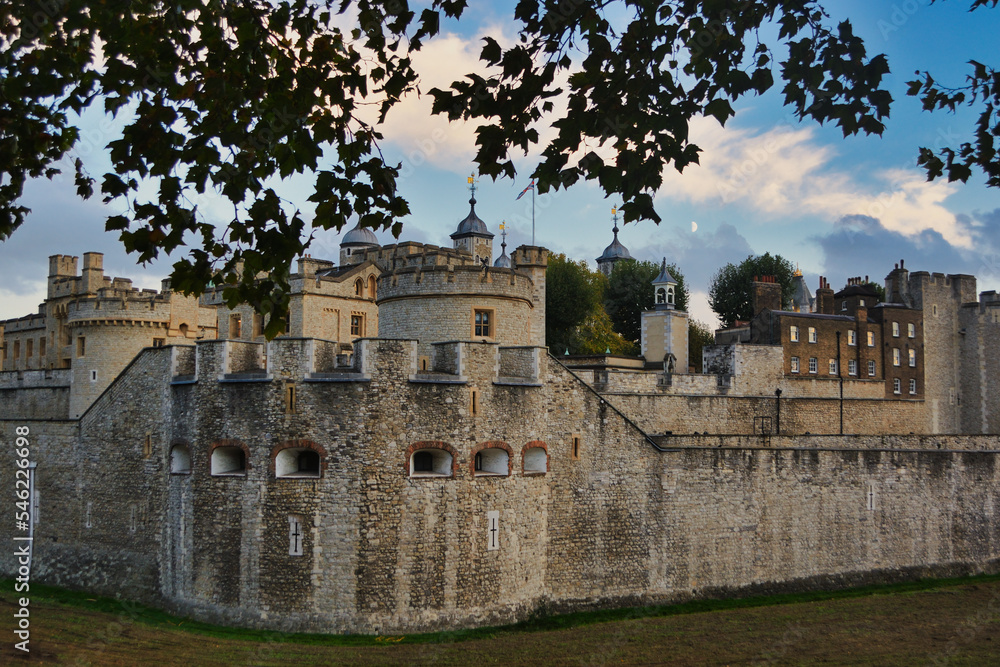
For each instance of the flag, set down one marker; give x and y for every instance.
(525, 191)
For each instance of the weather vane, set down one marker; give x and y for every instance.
(472, 185)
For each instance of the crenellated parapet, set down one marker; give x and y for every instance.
(385, 361)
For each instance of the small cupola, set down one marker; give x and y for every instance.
(503, 261)
(664, 289)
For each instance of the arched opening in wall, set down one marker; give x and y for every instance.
(371, 287)
(536, 461)
(229, 460)
(491, 461)
(180, 460)
(430, 463)
(359, 287)
(661, 295)
(183, 329)
(297, 462)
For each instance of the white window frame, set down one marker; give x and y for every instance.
(895, 329)
(813, 365)
(795, 364)
(911, 330)
(833, 367)
(793, 333)
(813, 338)
(895, 356)
(896, 386)
(912, 357)
(852, 367)
(872, 370)
(852, 337)
(871, 339)
(913, 386)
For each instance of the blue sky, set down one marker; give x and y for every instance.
(767, 183)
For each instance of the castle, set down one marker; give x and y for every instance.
(449, 471)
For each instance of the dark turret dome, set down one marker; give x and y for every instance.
(615, 251)
(472, 225)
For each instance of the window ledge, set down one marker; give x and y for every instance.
(229, 474)
(246, 377)
(535, 473)
(429, 475)
(337, 377)
(438, 378)
(180, 472)
(517, 382)
(300, 476)
(481, 473)
(184, 379)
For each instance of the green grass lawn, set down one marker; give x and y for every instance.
(954, 622)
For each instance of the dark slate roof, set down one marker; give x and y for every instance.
(503, 261)
(472, 225)
(664, 276)
(802, 297)
(856, 290)
(615, 251)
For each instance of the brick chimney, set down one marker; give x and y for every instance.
(765, 293)
(824, 297)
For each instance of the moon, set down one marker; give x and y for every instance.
(694, 226)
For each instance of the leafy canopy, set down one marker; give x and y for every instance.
(572, 294)
(730, 292)
(235, 96)
(630, 291)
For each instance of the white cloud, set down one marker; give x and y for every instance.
(786, 171)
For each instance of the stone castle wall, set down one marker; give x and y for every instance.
(35, 394)
(614, 518)
(666, 413)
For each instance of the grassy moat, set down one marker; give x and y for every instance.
(936, 622)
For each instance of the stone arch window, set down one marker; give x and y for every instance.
(661, 295)
(491, 459)
(430, 459)
(670, 295)
(359, 287)
(229, 458)
(298, 459)
(371, 287)
(180, 459)
(535, 458)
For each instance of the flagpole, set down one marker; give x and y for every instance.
(532, 211)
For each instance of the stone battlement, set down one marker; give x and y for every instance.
(315, 360)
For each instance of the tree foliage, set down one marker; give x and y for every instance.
(640, 83)
(597, 336)
(730, 292)
(572, 293)
(630, 291)
(982, 88)
(699, 335)
(232, 97)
